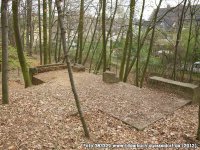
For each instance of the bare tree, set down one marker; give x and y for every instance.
(80, 32)
(151, 43)
(198, 130)
(29, 32)
(178, 39)
(104, 33)
(4, 32)
(63, 38)
(50, 30)
(45, 32)
(192, 11)
(139, 45)
(40, 32)
(106, 39)
(128, 38)
(22, 60)
(93, 35)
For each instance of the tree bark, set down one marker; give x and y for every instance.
(50, 30)
(138, 46)
(20, 53)
(57, 41)
(189, 40)
(178, 40)
(29, 27)
(127, 42)
(198, 131)
(40, 31)
(45, 32)
(93, 53)
(104, 33)
(107, 36)
(80, 32)
(151, 44)
(4, 32)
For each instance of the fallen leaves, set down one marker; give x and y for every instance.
(45, 116)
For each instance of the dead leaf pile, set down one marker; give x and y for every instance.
(45, 116)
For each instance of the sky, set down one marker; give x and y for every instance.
(150, 5)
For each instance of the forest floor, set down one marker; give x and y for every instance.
(45, 116)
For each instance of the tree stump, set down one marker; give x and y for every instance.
(78, 68)
(110, 77)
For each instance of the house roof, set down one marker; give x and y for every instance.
(174, 15)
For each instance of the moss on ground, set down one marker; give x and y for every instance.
(13, 60)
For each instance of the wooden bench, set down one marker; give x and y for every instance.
(184, 89)
(44, 68)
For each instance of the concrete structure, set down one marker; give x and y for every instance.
(185, 89)
(110, 77)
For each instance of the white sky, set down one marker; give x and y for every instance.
(150, 5)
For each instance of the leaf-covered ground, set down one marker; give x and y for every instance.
(44, 117)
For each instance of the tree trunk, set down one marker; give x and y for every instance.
(198, 131)
(130, 43)
(45, 32)
(86, 37)
(20, 53)
(59, 49)
(50, 30)
(109, 62)
(63, 36)
(94, 50)
(138, 46)
(57, 41)
(104, 34)
(93, 35)
(32, 38)
(178, 40)
(40, 32)
(71, 43)
(151, 44)
(127, 42)
(149, 28)
(106, 40)
(4, 32)
(80, 32)
(24, 25)
(128, 56)
(188, 42)
(29, 27)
